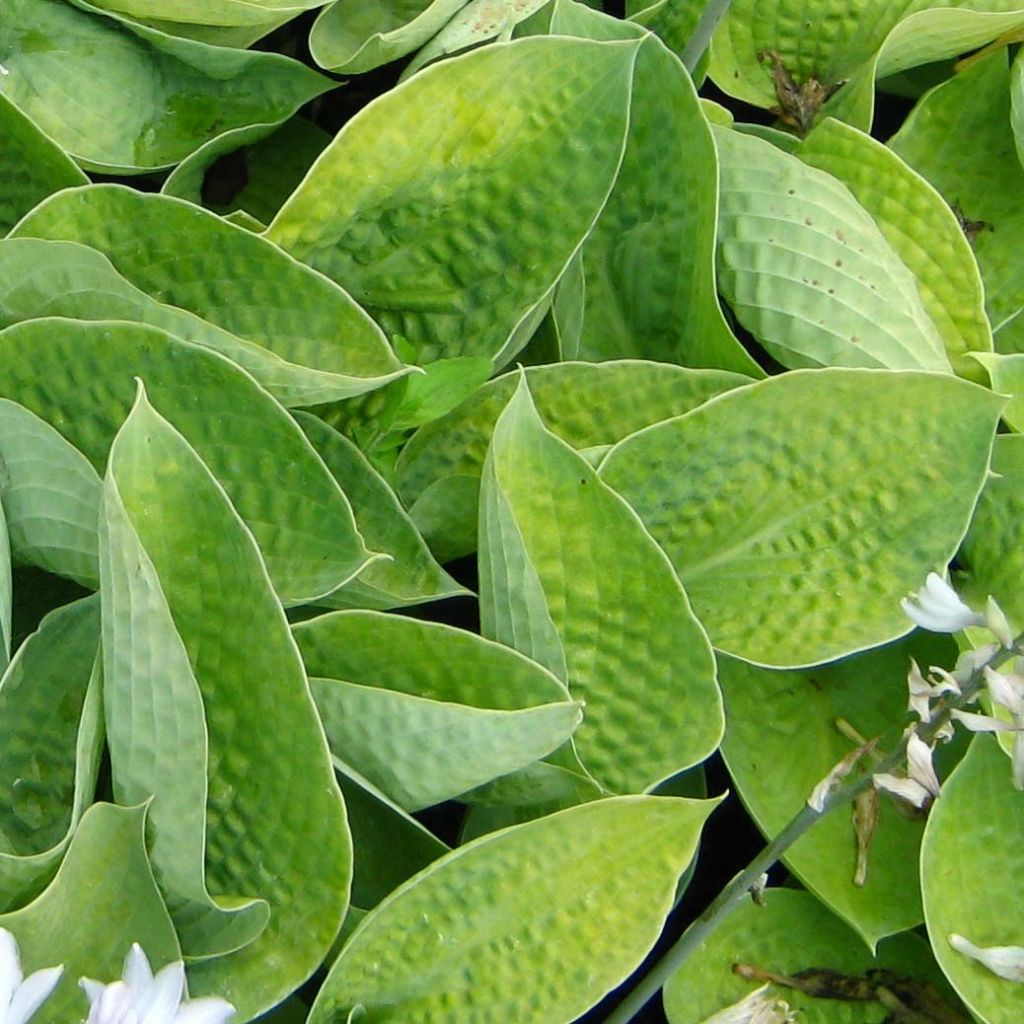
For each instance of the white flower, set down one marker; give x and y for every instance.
(997, 623)
(828, 785)
(936, 607)
(923, 691)
(20, 997)
(921, 784)
(142, 998)
(1006, 961)
(906, 789)
(760, 1007)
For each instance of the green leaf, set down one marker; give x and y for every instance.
(183, 93)
(792, 932)
(425, 711)
(799, 510)
(787, 720)
(32, 166)
(649, 262)
(51, 736)
(451, 205)
(411, 575)
(390, 846)
(253, 169)
(349, 37)
(275, 822)
(992, 556)
(1007, 376)
(673, 21)
(865, 40)
(808, 272)
(439, 469)
(569, 576)
(956, 137)
(478, 22)
(102, 900)
(301, 335)
(79, 377)
(50, 496)
(156, 729)
(218, 13)
(481, 923)
(439, 389)
(922, 230)
(970, 863)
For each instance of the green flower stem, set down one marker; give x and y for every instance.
(701, 38)
(739, 888)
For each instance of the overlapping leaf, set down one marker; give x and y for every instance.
(649, 262)
(799, 510)
(32, 166)
(426, 712)
(958, 138)
(569, 576)
(922, 230)
(781, 740)
(51, 733)
(101, 901)
(349, 37)
(439, 469)
(79, 377)
(970, 862)
(791, 933)
(184, 579)
(50, 496)
(410, 575)
(301, 335)
(863, 41)
(220, 13)
(450, 206)
(470, 938)
(808, 272)
(183, 92)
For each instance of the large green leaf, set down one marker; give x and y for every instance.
(351, 36)
(46, 278)
(992, 557)
(792, 932)
(410, 575)
(649, 262)
(450, 206)
(50, 496)
(799, 510)
(424, 711)
(308, 340)
(855, 43)
(470, 939)
(51, 736)
(958, 138)
(157, 732)
(808, 272)
(102, 900)
(445, 458)
(1007, 375)
(922, 230)
(674, 21)
(275, 824)
(570, 577)
(781, 740)
(32, 166)
(182, 92)
(971, 862)
(78, 376)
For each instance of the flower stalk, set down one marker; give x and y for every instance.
(834, 796)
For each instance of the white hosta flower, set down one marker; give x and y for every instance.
(906, 789)
(1006, 690)
(997, 623)
(922, 691)
(141, 997)
(937, 608)
(760, 1007)
(981, 723)
(20, 997)
(1006, 961)
(919, 764)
